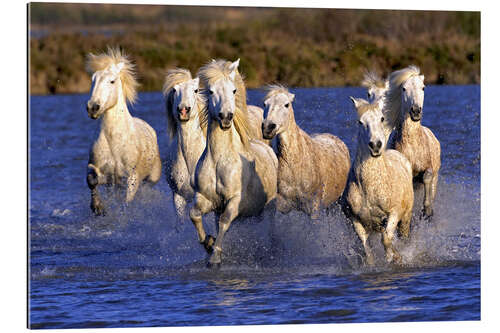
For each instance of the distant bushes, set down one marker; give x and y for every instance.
(297, 47)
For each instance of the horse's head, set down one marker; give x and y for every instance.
(371, 126)
(106, 88)
(222, 97)
(184, 97)
(412, 97)
(277, 108)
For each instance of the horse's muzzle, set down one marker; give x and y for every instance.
(225, 121)
(416, 113)
(268, 131)
(93, 110)
(184, 113)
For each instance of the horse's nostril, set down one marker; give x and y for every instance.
(188, 108)
(379, 144)
(230, 116)
(371, 144)
(272, 126)
(95, 107)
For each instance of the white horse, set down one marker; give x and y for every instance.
(187, 129)
(376, 87)
(312, 171)
(126, 149)
(403, 107)
(236, 175)
(379, 192)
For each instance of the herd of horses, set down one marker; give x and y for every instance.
(222, 155)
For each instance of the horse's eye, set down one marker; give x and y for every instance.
(287, 105)
(423, 88)
(196, 91)
(382, 119)
(368, 95)
(211, 92)
(234, 91)
(113, 82)
(360, 122)
(404, 89)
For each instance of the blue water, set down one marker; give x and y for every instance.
(138, 267)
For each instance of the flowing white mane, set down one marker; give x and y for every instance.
(177, 76)
(219, 69)
(393, 95)
(114, 56)
(275, 89)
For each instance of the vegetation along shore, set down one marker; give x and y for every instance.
(298, 47)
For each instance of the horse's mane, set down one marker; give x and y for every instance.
(372, 79)
(275, 89)
(127, 74)
(392, 106)
(220, 69)
(178, 76)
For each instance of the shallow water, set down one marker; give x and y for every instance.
(138, 267)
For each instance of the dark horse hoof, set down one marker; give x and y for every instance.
(98, 210)
(213, 265)
(208, 243)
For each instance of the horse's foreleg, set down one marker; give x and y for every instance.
(94, 178)
(428, 192)
(201, 207)
(387, 236)
(363, 236)
(229, 214)
(132, 186)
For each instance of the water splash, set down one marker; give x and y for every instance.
(145, 238)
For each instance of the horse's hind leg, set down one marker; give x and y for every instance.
(404, 225)
(230, 213)
(429, 192)
(387, 236)
(93, 177)
(200, 208)
(363, 236)
(180, 205)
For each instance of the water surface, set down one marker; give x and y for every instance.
(138, 267)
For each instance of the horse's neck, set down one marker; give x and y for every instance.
(117, 121)
(191, 140)
(364, 163)
(408, 129)
(289, 140)
(221, 143)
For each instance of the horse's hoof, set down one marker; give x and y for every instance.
(215, 259)
(213, 266)
(98, 210)
(427, 213)
(208, 243)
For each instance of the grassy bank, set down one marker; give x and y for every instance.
(297, 47)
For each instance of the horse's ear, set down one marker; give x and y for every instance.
(234, 65)
(291, 97)
(196, 81)
(358, 101)
(422, 77)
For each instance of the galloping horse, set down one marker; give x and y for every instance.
(312, 170)
(236, 175)
(187, 128)
(379, 192)
(403, 108)
(126, 149)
